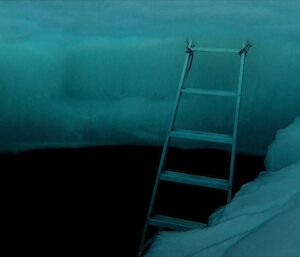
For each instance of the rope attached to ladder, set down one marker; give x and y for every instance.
(191, 58)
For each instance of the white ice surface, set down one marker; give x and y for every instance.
(285, 149)
(276, 238)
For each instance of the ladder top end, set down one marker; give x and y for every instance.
(189, 45)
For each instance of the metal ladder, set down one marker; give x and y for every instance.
(188, 179)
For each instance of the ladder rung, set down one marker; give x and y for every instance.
(215, 50)
(174, 223)
(204, 136)
(208, 92)
(196, 180)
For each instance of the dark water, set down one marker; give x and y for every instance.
(93, 201)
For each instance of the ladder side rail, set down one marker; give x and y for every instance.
(236, 124)
(165, 149)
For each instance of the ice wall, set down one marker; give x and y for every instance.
(78, 73)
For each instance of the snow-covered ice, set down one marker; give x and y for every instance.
(285, 149)
(276, 238)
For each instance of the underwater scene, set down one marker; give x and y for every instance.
(151, 128)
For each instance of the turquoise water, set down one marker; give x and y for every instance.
(77, 73)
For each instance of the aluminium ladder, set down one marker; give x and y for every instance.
(188, 179)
